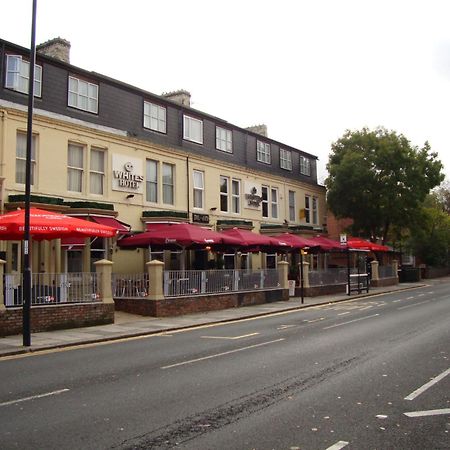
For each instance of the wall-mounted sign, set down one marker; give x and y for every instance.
(127, 174)
(252, 195)
(200, 218)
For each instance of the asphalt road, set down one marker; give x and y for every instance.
(371, 374)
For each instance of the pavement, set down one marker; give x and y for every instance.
(129, 325)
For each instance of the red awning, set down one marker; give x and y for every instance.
(73, 242)
(112, 222)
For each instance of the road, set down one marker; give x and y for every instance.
(371, 373)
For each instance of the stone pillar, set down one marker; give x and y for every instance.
(58, 268)
(305, 274)
(283, 269)
(2, 292)
(155, 280)
(374, 268)
(395, 268)
(103, 269)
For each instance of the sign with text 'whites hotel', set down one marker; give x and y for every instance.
(127, 174)
(252, 195)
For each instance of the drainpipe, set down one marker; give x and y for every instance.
(3, 119)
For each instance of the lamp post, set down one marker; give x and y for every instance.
(26, 307)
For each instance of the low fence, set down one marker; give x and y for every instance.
(130, 285)
(328, 277)
(48, 288)
(386, 272)
(191, 282)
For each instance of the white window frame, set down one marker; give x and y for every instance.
(76, 169)
(21, 157)
(263, 152)
(285, 159)
(192, 129)
(305, 166)
(155, 117)
(274, 202)
(198, 188)
(235, 196)
(224, 194)
(307, 208)
(291, 204)
(151, 182)
(315, 210)
(97, 173)
(17, 77)
(265, 201)
(168, 185)
(76, 97)
(224, 139)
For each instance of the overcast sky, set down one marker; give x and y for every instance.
(309, 70)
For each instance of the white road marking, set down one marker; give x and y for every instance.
(221, 354)
(229, 337)
(410, 298)
(366, 307)
(47, 394)
(431, 412)
(344, 313)
(351, 321)
(421, 295)
(399, 300)
(338, 445)
(415, 304)
(315, 320)
(284, 327)
(426, 386)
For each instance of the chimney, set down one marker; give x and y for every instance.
(57, 48)
(258, 129)
(182, 97)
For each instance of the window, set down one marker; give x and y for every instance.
(263, 152)
(305, 166)
(192, 129)
(285, 159)
(224, 140)
(307, 209)
(315, 214)
(235, 196)
(199, 189)
(168, 183)
(151, 193)
(274, 202)
(291, 206)
(97, 171)
(75, 168)
(224, 191)
(83, 95)
(265, 201)
(18, 74)
(154, 117)
(21, 158)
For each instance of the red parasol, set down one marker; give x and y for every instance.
(250, 239)
(185, 235)
(297, 242)
(328, 245)
(47, 225)
(362, 244)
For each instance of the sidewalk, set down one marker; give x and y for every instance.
(129, 325)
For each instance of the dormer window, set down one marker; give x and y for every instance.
(285, 159)
(192, 129)
(305, 166)
(18, 74)
(263, 152)
(83, 95)
(154, 117)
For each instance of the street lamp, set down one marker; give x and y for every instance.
(26, 306)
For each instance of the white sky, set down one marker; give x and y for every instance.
(309, 70)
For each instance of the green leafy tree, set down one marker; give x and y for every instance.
(378, 179)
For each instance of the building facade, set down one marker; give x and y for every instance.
(116, 154)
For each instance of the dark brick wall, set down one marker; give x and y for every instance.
(57, 317)
(201, 303)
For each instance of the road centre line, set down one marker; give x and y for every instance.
(351, 321)
(431, 412)
(426, 386)
(338, 445)
(344, 313)
(221, 354)
(228, 337)
(314, 320)
(47, 394)
(415, 304)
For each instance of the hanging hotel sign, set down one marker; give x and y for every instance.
(127, 174)
(252, 195)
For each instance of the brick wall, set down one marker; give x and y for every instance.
(57, 317)
(200, 303)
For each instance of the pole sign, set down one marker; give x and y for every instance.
(343, 239)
